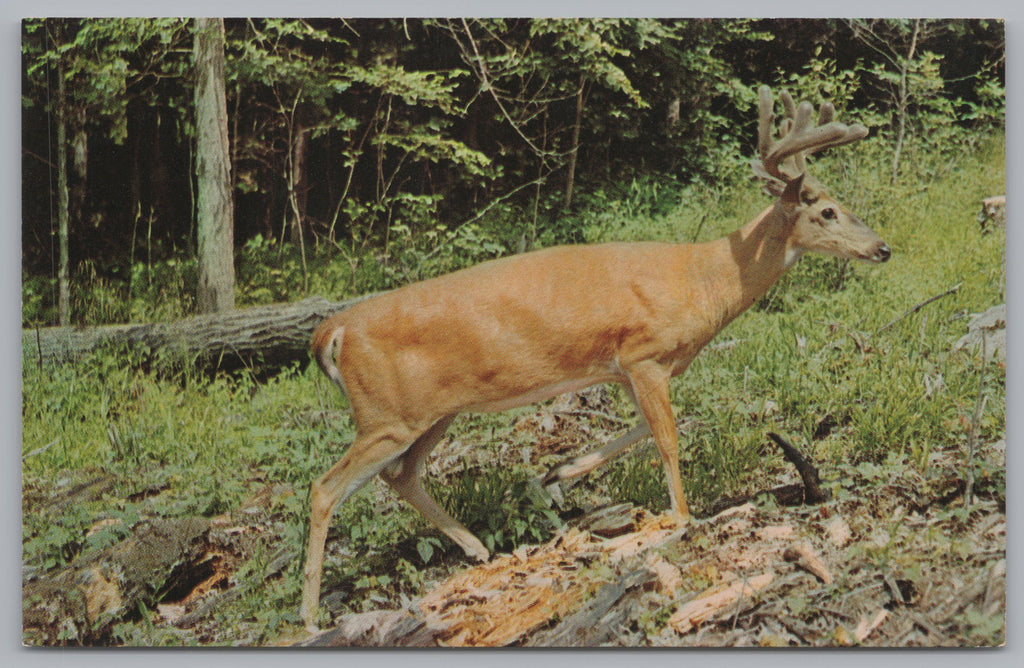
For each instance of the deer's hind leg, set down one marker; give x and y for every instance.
(367, 457)
(404, 476)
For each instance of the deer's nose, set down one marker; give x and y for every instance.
(883, 253)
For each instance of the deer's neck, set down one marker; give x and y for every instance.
(750, 261)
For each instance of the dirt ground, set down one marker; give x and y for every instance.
(896, 558)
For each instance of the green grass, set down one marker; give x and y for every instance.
(809, 361)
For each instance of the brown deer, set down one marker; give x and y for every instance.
(521, 329)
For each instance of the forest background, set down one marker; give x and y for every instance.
(369, 153)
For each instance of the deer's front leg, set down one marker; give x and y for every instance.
(649, 384)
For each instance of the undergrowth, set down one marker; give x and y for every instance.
(829, 357)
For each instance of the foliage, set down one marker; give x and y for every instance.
(503, 508)
(379, 140)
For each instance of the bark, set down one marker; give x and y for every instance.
(80, 164)
(63, 213)
(215, 225)
(263, 337)
(297, 188)
(570, 179)
(82, 603)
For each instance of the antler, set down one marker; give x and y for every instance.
(784, 160)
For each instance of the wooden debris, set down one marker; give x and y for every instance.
(378, 628)
(495, 604)
(582, 628)
(867, 626)
(776, 532)
(669, 579)
(80, 604)
(722, 582)
(839, 532)
(734, 597)
(654, 533)
(611, 521)
(739, 510)
(804, 556)
(810, 491)
(813, 492)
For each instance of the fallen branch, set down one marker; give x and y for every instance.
(804, 556)
(813, 493)
(917, 308)
(785, 495)
(717, 600)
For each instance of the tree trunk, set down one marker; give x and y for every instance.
(80, 164)
(63, 213)
(570, 178)
(215, 225)
(297, 183)
(265, 338)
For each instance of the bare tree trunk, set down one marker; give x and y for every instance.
(80, 164)
(214, 206)
(571, 173)
(63, 214)
(297, 183)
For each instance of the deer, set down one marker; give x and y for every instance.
(524, 328)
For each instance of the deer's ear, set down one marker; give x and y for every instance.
(791, 195)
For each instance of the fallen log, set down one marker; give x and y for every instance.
(81, 604)
(268, 337)
(588, 626)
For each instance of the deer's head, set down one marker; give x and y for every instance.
(816, 222)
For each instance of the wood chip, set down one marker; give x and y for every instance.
(867, 626)
(611, 521)
(804, 556)
(717, 600)
(839, 532)
(776, 532)
(170, 612)
(651, 534)
(669, 577)
(745, 509)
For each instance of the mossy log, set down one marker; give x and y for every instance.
(262, 337)
(80, 604)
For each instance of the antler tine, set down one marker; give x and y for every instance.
(788, 104)
(798, 138)
(826, 113)
(853, 133)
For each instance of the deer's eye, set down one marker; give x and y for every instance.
(828, 213)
